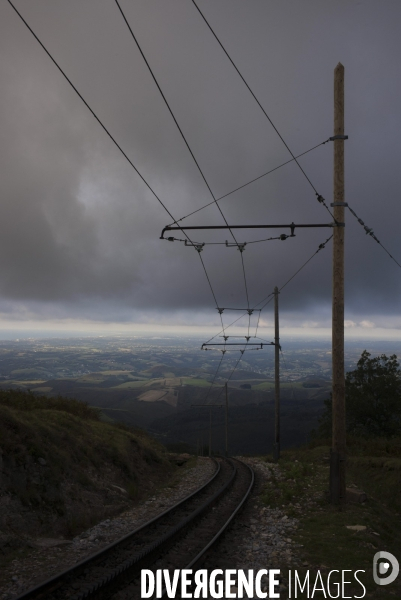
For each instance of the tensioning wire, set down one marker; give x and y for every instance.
(269, 298)
(319, 197)
(372, 235)
(249, 182)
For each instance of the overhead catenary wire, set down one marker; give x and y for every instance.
(215, 375)
(319, 196)
(246, 289)
(109, 135)
(233, 371)
(141, 176)
(93, 112)
(211, 289)
(269, 297)
(172, 114)
(182, 134)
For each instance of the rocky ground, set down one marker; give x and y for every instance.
(261, 537)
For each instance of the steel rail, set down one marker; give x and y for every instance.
(51, 585)
(217, 536)
(114, 579)
(227, 523)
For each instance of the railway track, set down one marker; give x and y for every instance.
(176, 539)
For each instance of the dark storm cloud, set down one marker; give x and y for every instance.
(80, 229)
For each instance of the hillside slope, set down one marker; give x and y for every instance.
(62, 469)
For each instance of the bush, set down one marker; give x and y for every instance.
(373, 399)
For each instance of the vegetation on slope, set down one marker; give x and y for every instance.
(327, 542)
(63, 469)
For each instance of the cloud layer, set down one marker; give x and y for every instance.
(80, 233)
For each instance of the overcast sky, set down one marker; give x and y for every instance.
(80, 230)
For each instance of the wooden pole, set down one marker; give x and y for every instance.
(210, 434)
(337, 461)
(276, 452)
(226, 418)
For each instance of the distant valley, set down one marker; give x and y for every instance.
(152, 383)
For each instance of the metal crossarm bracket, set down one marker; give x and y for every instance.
(260, 344)
(241, 247)
(291, 226)
(248, 310)
(198, 247)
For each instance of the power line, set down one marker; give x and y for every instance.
(319, 197)
(269, 297)
(249, 182)
(211, 288)
(372, 235)
(215, 375)
(233, 371)
(172, 114)
(182, 134)
(321, 246)
(92, 111)
(108, 133)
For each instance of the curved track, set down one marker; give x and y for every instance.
(176, 539)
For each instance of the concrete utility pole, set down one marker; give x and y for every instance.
(337, 459)
(276, 449)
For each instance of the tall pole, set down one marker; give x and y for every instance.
(210, 407)
(337, 459)
(226, 418)
(276, 450)
(210, 434)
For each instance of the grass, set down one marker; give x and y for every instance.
(77, 447)
(291, 484)
(300, 489)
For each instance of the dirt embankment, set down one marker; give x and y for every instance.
(62, 469)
